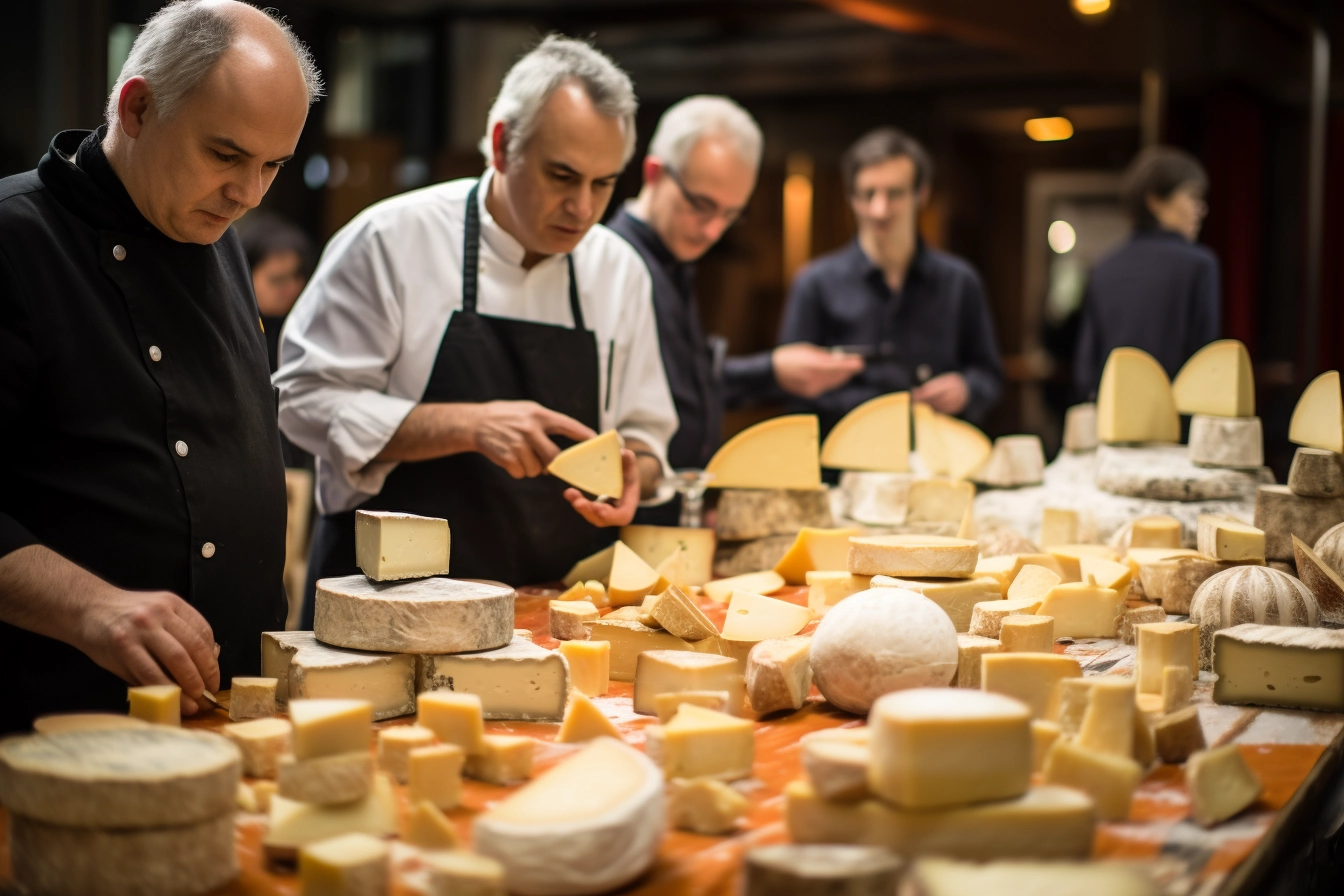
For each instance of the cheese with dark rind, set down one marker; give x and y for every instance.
(1282, 514)
(1316, 473)
(745, 514)
(305, 668)
(424, 616)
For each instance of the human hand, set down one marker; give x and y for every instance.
(622, 512)
(516, 435)
(947, 393)
(807, 371)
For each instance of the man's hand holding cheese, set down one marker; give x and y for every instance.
(454, 339)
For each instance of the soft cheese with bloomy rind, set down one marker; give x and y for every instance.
(306, 668)
(427, 616)
(1277, 665)
(517, 681)
(1256, 594)
(593, 465)
(391, 546)
(913, 555)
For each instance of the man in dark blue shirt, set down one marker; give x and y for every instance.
(917, 315)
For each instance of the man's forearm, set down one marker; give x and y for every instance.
(432, 430)
(650, 468)
(41, 590)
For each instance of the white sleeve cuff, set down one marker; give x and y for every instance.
(362, 428)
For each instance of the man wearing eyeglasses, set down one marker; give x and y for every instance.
(698, 176)
(918, 316)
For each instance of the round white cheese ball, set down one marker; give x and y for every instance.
(882, 640)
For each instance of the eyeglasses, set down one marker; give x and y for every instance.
(704, 208)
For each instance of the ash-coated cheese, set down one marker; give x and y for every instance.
(251, 698)
(391, 546)
(1255, 594)
(119, 778)
(518, 681)
(779, 675)
(747, 513)
(1236, 442)
(425, 616)
(1321, 580)
(820, 869)
(305, 668)
(1280, 514)
(261, 742)
(913, 555)
(1316, 473)
(1276, 665)
(326, 780)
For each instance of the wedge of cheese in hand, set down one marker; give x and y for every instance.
(593, 466)
(1216, 381)
(874, 436)
(778, 453)
(1318, 419)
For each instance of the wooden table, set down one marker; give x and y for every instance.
(1294, 753)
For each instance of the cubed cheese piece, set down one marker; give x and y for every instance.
(1044, 822)
(262, 742)
(584, 721)
(1316, 473)
(1043, 736)
(595, 567)
(1022, 561)
(1106, 573)
(328, 727)
(395, 746)
(326, 780)
(1070, 555)
(1163, 644)
(1281, 514)
(428, 828)
(158, 704)
(1014, 461)
(1134, 400)
(1318, 418)
(1216, 380)
(1275, 665)
(631, 578)
(938, 877)
(826, 588)
(305, 668)
(295, 824)
(520, 681)
(435, 774)
(779, 675)
(391, 546)
(836, 761)
(1237, 442)
(655, 544)
(247, 800)
(935, 747)
(1221, 784)
(1108, 723)
(1032, 583)
(1179, 734)
(667, 704)
(932, 556)
(1083, 611)
(679, 615)
(969, 650)
(568, 618)
(1080, 427)
(668, 671)
(589, 665)
(754, 617)
(628, 639)
(778, 453)
(455, 718)
(957, 597)
(1321, 579)
(262, 791)
(1032, 678)
(1136, 616)
(1155, 532)
(815, 549)
(1177, 688)
(348, 865)
(704, 806)
(997, 568)
(456, 872)
(503, 759)
(251, 698)
(874, 436)
(1058, 526)
(767, 581)
(1074, 695)
(1222, 539)
(597, 592)
(1027, 634)
(987, 616)
(574, 592)
(700, 742)
(593, 465)
(938, 501)
(1109, 779)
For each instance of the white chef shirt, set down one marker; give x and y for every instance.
(358, 348)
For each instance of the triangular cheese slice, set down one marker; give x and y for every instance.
(754, 617)
(815, 549)
(1217, 381)
(776, 453)
(929, 440)
(428, 828)
(965, 447)
(1318, 419)
(593, 466)
(595, 567)
(1134, 402)
(584, 721)
(767, 581)
(631, 577)
(874, 436)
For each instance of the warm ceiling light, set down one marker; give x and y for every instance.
(1091, 7)
(1062, 237)
(1056, 127)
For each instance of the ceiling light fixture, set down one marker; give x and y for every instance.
(1091, 11)
(1044, 130)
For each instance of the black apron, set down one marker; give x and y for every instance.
(519, 531)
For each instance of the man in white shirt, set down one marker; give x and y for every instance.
(448, 333)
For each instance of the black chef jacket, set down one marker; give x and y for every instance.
(139, 423)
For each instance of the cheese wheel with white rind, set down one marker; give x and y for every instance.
(905, 556)
(425, 616)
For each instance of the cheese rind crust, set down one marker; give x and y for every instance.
(426, 616)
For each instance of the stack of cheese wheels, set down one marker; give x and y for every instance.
(1258, 594)
(1216, 386)
(143, 811)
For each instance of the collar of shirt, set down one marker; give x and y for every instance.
(77, 171)
(680, 272)
(865, 268)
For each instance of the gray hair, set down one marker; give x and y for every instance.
(556, 61)
(179, 46)
(682, 126)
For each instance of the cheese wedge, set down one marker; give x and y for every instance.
(631, 578)
(815, 549)
(1217, 381)
(764, 582)
(1318, 419)
(874, 436)
(700, 742)
(938, 501)
(704, 806)
(454, 717)
(391, 546)
(589, 665)
(1106, 573)
(754, 617)
(967, 447)
(1106, 777)
(1221, 784)
(933, 454)
(395, 746)
(777, 453)
(1223, 539)
(428, 828)
(435, 775)
(595, 567)
(503, 759)
(628, 639)
(593, 466)
(584, 721)
(1069, 555)
(655, 544)
(1134, 401)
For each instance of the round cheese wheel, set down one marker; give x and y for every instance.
(1259, 594)
(428, 616)
(878, 641)
(1330, 548)
(120, 777)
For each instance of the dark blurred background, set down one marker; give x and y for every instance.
(1245, 85)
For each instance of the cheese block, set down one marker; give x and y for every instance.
(261, 742)
(836, 761)
(519, 681)
(589, 666)
(457, 872)
(1106, 777)
(1106, 573)
(1044, 733)
(591, 824)
(879, 641)
(654, 544)
(1070, 557)
(816, 869)
(1255, 594)
(251, 698)
(354, 864)
(567, 618)
(155, 776)
(434, 774)
(969, 650)
(1058, 526)
(428, 828)
(668, 671)
(391, 546)
(1316, 473)
(594, 465)
(754, 617)
(305, 668)
(1080, 427)
(777, 453)
(395, 746)
(1236, 442)
(595, 567)
(668, 703)
(675, 612)
(326, 780)
(1160, 645)
(1324, 582)
(1155, 532)
(938, 501)
(987, 617)
(873, 436)
(1272, 665)
(1174, 581)
(1022, 561)
(937, 877)
(427, 616)
(1032, 583)
(1073, 697)
(779, 675)
(996, 568)
(1318, 418)
(1032, 678)
(933, 454)
(502, 759)
(1217, 381)
(913, 555)
(1136, 616)
(158, 704)
(934, 747)
(454, 717)
(1083, 611)
(826, 588)
(704, 806)
(1134, 400)
(1108, 722)
(631, 578)
(966, 447)
(328, 727)
(1224, 539)
(1043, 823)
(181, 860)
(584, 721)
(1177, 688)
(748, 513)
(699, 742)
(764, 582)
(1281, 514)
(628, 639)
(1221, 784)
(1014, 461)
(815, 549)
(1178, 734)
(294, 825)
(84, 721)
(957, 597)
(262, 791)
(1027, 634)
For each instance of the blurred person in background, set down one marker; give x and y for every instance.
(1160, 291)
(281, 258)
(917, 316)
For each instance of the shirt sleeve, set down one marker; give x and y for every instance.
(18, 375)
(642, 405)
(979, 352)
(802, 317)
(749, 379)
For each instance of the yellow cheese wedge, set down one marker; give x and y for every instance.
(655, 544)
(1068, 554)
(596, 567)
(777, 453)
(1032, 678)
(967, 447)
(938, 501)
(1108, 722)
(436, 774)
(764, 582)
(929, 439)
(874, 436)
(675, 671)
(328, 727)
(593, 466)
(428, 828)
(1058, 526)
(584, 721)
(631, 578)
(504, 759)
(1318, 419)
(1134, 401)
(454, 717)
(1027, 634)
(1221, 784)
(827, 587)
(1163, 644)
(815, 549)
(998, 569)
(294, 824)
(1109, 779)
(1083, 610)
(754, 617)
(1216, 381)
(349, 863)
(1229, 540)
(1106, 573)
(1032, 583)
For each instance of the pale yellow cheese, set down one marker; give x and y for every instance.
(655, 544)
(939, 877)
(997, 568)
(567, 618)
(503, 759)
(699, 742)
(1134, 400)
(938, 500)
(754, 617)
(348, 865)
(435, 774)
(1177, 688)
(1069, 556)
(1163, 644)
(1155, 532)
(584, 721)
(1106, 573)
(327, 727)
(262, 742)
(262, 792)
(669, 671)
(1022, 561)
(1221, 784)
(767, 581)
(1223, 539)
(1278, 665)
(933, 454)
(593, 465)
(1058, 526)
(969, 650)
(295, 824)
(326, 780)
(1032, 583)
(1217, 381)
(1032, 678)
(1027, 634)
(987, 616)
(678, 614)
(589, 666)
(628, 640)
(873, 436)
(704, 806)
(815, 549)
(454, 717)
(956, 597)
(158, 704)
(391, 546)
(1318, 418)
(454, 872)
(913, 555)
(777, 453)
(826, 588)
(836, 761)
(85, 721)
(668, 703)
(631, 578)
(1084, 611)
(1108, 723)
(595, 567)
(428, 828)
(1044, 733)
(395, 746)
(966, 447)
(1109, 779)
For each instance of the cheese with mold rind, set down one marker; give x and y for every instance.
(391, 546)
(424, 616)
(518, 681)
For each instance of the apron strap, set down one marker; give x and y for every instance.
(574, 294)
